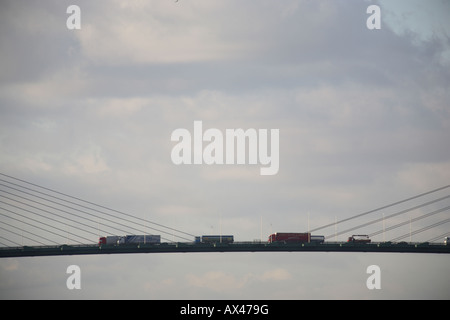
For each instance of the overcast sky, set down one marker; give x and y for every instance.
(363, 117)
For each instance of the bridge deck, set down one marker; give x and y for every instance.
(29, 251)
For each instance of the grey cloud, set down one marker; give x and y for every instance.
(363, 119)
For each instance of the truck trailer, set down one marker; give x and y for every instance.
(290, 237)
(215, 239)
(130, 239)
(145, 239)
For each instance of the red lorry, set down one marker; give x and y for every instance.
(290, 237)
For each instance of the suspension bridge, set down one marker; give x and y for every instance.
(39, 221)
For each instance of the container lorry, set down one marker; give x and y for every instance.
(295, 237)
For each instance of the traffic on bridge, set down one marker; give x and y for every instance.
(42, 216)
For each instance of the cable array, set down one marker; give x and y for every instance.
(387, 218)
(33, 214)
(47, 217)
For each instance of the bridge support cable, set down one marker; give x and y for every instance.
(380, 208)
(65, 221)
(440, 237)
(112, 227)
(29, 195)
(409, 221)
(94, 222)
(122, 223)
(421, 230)
(44, 229)
(17, 244)
(93, 204)
(389, 216)
(27, 233)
